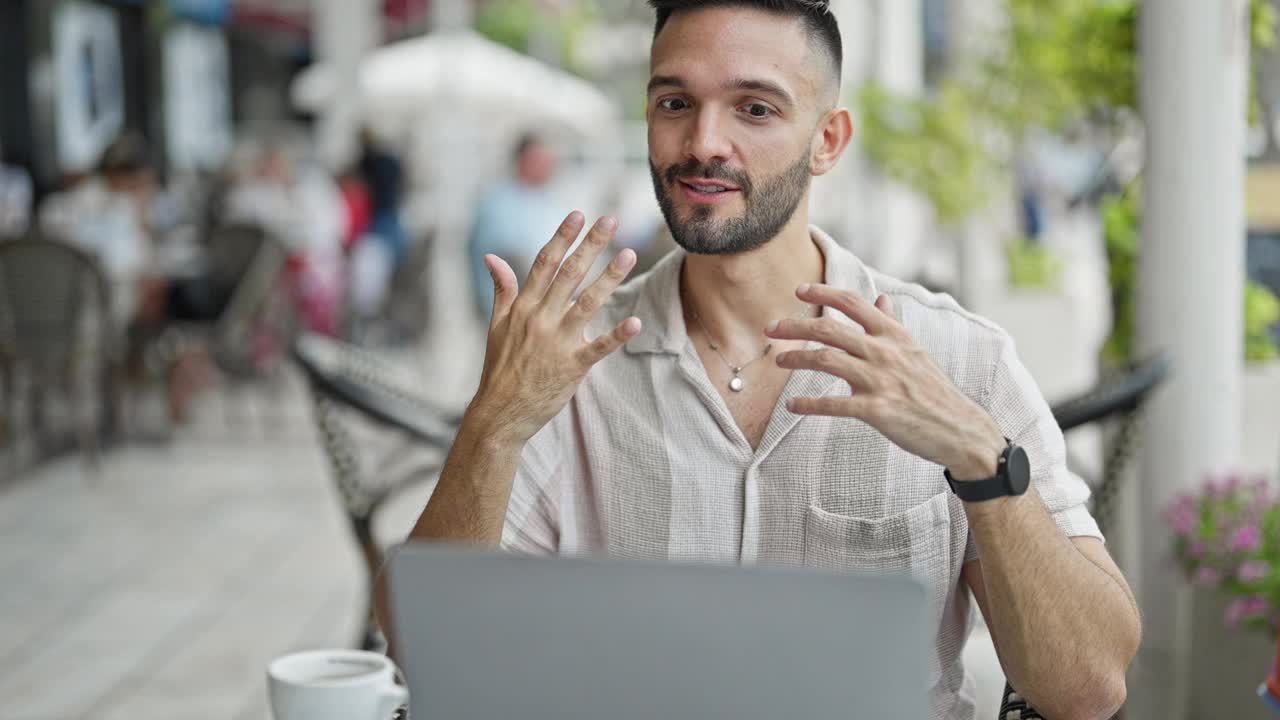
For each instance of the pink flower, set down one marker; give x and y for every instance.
(1245, 608)
(1252, 571)
(1246, 539)
(1196, 550)
(1213, 487)
(1207, 576)
(1182, 521)
(1233, 483)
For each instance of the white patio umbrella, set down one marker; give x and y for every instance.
(463, 73)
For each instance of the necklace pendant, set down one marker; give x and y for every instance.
(737, 384)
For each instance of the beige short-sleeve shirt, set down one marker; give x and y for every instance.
(647, 462)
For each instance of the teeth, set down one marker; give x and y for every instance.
(708, 188)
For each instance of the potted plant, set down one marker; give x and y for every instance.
(1227, 538)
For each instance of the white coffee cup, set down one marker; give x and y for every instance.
(334, 685)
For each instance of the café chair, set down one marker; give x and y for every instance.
(345, 380)
(56, 333)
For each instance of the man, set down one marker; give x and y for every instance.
(109, 214)
(513, 216)
(715, 417)
(15, 199)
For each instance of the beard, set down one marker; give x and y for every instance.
(768, 208)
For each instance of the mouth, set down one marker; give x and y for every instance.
(707, 191)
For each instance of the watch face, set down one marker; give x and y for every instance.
(1019, 471)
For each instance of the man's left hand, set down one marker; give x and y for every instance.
(896, 386)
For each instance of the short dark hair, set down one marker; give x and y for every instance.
(524, 142)
(819, 21)
(126, 154)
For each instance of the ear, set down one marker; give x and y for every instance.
(835, 131)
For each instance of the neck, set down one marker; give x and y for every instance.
(735, 297)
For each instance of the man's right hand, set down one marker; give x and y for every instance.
(537, 350)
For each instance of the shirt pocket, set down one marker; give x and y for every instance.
(915, 542)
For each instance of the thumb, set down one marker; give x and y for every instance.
(505, 286)
(885, 305)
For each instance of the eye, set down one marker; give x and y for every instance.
(758, 111)
(672, 104)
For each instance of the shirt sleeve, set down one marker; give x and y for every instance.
(533, 524)
(1015, 402)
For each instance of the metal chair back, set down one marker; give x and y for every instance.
(49, 291)
(346, 380)
(246, 263)
(46, 289)
(1122, 398)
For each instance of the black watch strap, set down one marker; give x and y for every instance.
(1011, 478)
(978, 490)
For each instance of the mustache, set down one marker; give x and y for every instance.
(712, 171)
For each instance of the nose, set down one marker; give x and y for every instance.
(707, 142)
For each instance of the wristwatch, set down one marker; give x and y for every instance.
(1013, 477)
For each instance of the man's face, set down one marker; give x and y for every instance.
(732, 110)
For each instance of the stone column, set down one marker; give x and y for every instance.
(344, 31)
(1194, 60)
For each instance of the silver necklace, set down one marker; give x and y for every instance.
(736, 383)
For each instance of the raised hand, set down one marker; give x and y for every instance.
(896, 386)
(538, 351)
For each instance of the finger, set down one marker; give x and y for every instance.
(548, 259)
(885, 305)
(576, 267)
(605, 345)
(854, 406)
(854, 306)
(505, 287)
(825, 330)
(590, 301)
(855, 371)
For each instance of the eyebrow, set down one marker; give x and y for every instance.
(767, 87)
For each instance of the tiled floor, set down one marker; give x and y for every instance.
(160, 585)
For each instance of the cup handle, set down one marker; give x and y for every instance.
(393, 696)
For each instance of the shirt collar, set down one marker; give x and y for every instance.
(661, 312)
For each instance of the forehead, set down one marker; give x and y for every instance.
(704, 47)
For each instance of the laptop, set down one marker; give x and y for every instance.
(488, 635)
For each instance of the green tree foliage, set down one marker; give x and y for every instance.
(1120, 229)
(1062, 62)
(513, 22)
(931, 145)
(1261, 314)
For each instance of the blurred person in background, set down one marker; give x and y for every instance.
(382, 242)
(359, 207)
(383, 176)
(761, 396)
(15, 201)
(109, 215)
(301, 206)
(112, 215)
(512, 214)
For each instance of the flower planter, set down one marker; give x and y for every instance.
(1227, 664)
